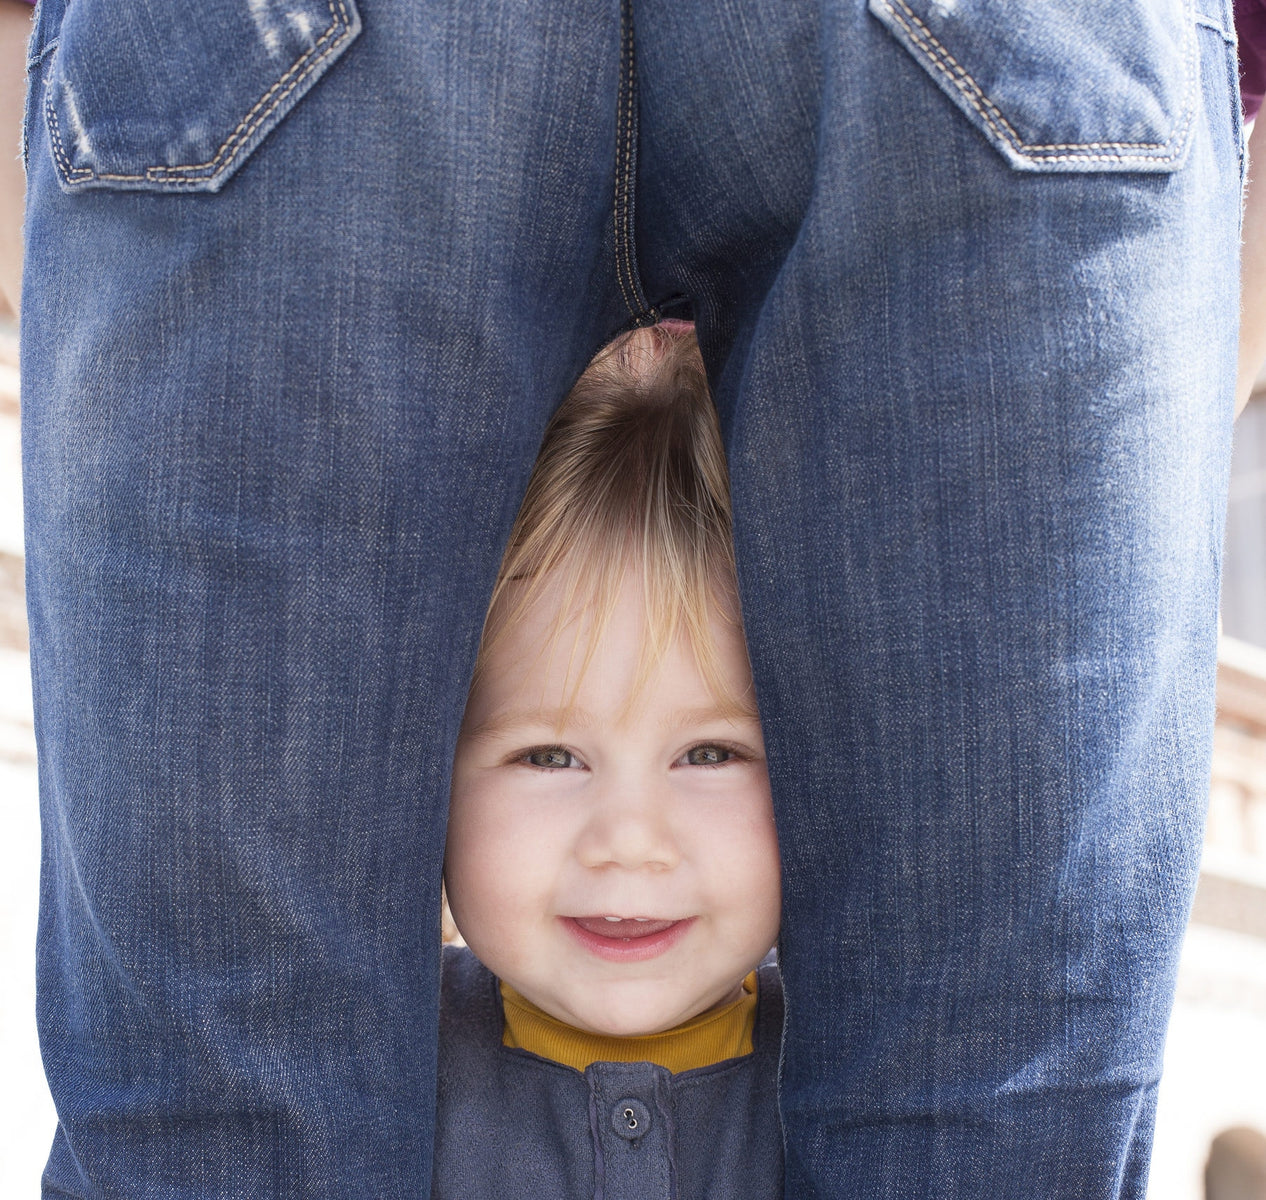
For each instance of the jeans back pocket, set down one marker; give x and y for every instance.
(174, 97)
(1075, 85)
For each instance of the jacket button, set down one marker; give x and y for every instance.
(631, 1119)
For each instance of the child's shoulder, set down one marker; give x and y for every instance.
(767, 1035)
(469, 1006)
(460, 969)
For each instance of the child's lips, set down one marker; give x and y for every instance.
(626, 940)
(623, 928)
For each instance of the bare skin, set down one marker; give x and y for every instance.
(1253, 273)
(15, 30)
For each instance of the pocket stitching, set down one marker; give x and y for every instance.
(304, 65)
(971, 91)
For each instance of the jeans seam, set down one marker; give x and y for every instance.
(34, 60)
(971, 91)
(626, 271)
(1209, 23)
(334, 36)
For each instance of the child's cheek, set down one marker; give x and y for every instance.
(500, 845)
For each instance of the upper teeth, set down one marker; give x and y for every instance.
(640, 920)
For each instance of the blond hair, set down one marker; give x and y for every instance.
(631, 475)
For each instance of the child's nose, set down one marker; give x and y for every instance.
(628, 827)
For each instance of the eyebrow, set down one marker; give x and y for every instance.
(555, 718)
(559, 718)
(709, 712)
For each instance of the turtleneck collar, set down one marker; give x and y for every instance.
(711, 1037)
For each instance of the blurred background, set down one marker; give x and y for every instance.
(1214, 1082)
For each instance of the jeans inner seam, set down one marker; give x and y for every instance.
(625, 176)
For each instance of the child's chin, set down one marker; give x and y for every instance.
(627, 1029)
(636, 1022)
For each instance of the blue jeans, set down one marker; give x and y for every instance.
(303, 285)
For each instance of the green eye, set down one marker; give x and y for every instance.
(707, 756)
(550, 757)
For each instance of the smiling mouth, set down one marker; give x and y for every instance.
(623, 928)
(627, 939)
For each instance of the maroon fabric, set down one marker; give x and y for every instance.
(1250, 26)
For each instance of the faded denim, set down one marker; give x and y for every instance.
(304, 281)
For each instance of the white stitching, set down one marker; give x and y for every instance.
(1003, 127)
(244, 133)
(336, 34)
(70, 173)
(624, 129)
(971, 91)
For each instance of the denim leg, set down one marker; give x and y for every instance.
(299, 300)
(977, 393)
(286, 363)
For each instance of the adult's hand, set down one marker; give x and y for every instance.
(15, 30)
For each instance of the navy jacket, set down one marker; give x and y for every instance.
(513, 1126)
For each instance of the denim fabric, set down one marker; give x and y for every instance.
(514, 1126)
(296, 311)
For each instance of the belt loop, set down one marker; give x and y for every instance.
(1218, 14)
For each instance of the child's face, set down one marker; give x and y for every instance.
(560, 823)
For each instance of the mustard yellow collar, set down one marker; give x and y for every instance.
(711, 1037)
